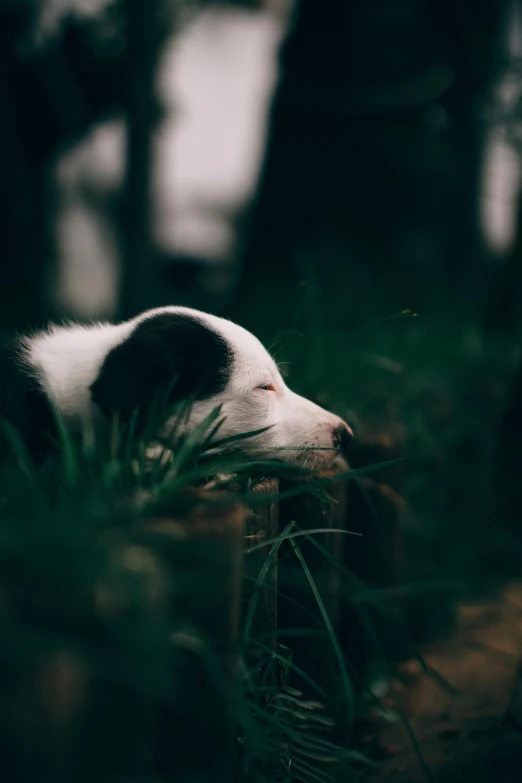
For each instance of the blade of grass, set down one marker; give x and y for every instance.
(297, 534)
(66, 446)
(190, 445)
(211, 435)
(238, 437)
(286, 597)
(306, 772)
(18, 446)
(268, 563)
(306, 677)
(348, 689)
(130, 444)
(404, 720)
(244, 466)
(374, 596)
(378, 322)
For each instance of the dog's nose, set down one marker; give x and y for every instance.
(342, 437)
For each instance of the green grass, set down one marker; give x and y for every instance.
(78, 580)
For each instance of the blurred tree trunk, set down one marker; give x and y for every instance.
(502, 315)
(373, 163)
(50, 95)
(23, 264)
(144, 36)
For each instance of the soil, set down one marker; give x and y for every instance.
(468, 729)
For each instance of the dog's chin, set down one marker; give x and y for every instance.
(331, 462)
(315, 460)
(339, 464)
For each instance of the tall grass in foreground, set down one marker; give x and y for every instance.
(79, 583)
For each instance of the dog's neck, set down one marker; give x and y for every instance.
(67, 360)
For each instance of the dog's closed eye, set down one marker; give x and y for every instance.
(266, 387)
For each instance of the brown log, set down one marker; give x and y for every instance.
(196, 737)
(128, 672)
(262, 524)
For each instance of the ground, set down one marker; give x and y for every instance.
(473, 733)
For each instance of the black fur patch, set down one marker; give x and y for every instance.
(24, 404)
(172, 355)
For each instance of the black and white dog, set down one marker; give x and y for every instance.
(91, 373)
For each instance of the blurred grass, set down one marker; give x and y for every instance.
(78, 584)
(431, 388)
(85, 593)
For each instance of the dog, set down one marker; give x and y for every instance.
(91, 374)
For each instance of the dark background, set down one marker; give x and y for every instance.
(372, 174)
(372, 198)
(343, 178)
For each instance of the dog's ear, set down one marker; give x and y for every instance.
(170, 356)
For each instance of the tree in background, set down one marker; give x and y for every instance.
(58, 75)
(371, 178)
(66, 67)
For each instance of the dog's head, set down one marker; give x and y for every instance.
(187, 355)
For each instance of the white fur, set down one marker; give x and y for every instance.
(68, 359)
